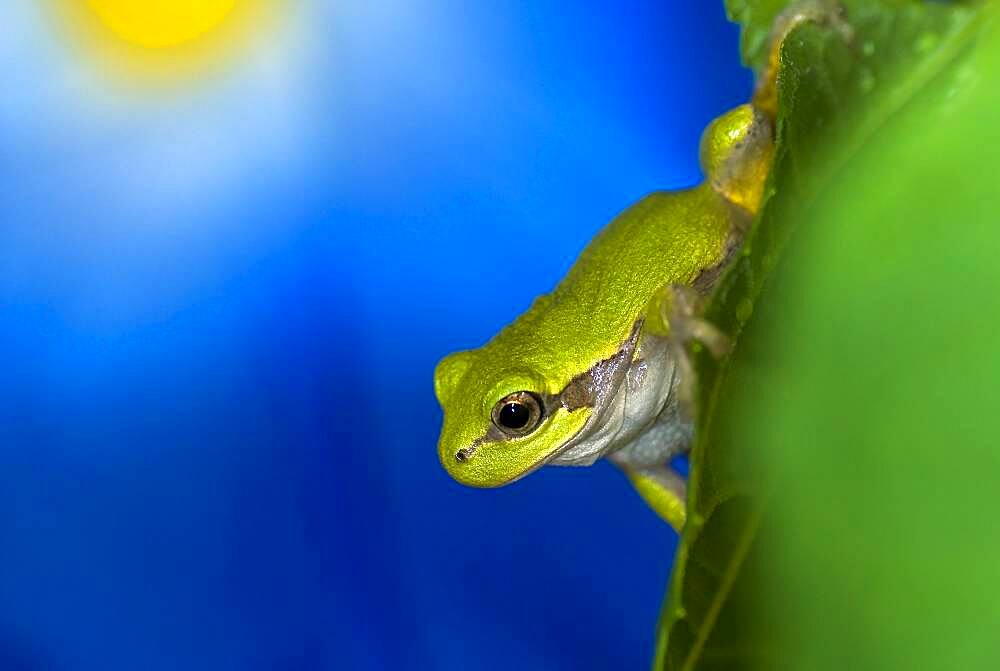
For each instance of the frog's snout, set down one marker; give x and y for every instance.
(467, 466)
(464, 454)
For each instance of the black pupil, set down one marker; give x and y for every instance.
(515, 415)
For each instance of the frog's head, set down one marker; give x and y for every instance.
(501, 422)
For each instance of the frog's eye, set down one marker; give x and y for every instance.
(518, 414)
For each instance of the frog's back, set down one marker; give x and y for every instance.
(665, 238)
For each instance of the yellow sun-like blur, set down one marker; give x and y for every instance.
(158, 24)
(165, 42)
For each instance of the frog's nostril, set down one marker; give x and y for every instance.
(463, 454)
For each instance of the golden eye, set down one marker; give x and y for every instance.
(518, 414)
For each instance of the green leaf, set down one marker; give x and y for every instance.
(823, 473)
(756, 17)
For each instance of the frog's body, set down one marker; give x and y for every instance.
(597, 354)
(597, 368)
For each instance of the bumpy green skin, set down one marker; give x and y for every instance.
(667, 238)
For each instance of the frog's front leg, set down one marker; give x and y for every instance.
(675, 318)
(678, 311)
(663, 490)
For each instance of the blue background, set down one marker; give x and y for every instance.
(221, 304)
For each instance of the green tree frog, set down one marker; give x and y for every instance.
(597, 368)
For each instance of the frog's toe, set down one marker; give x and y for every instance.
(681, 311)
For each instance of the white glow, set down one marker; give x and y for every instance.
(174, 145)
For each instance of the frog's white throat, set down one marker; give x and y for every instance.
(628, 391)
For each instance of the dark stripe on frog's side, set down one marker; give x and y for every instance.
(581, 392)
(709, 277)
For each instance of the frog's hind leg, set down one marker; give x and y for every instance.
(821, 12)
(662, 490)
(737, 148)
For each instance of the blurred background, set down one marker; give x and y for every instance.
(232, 249)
